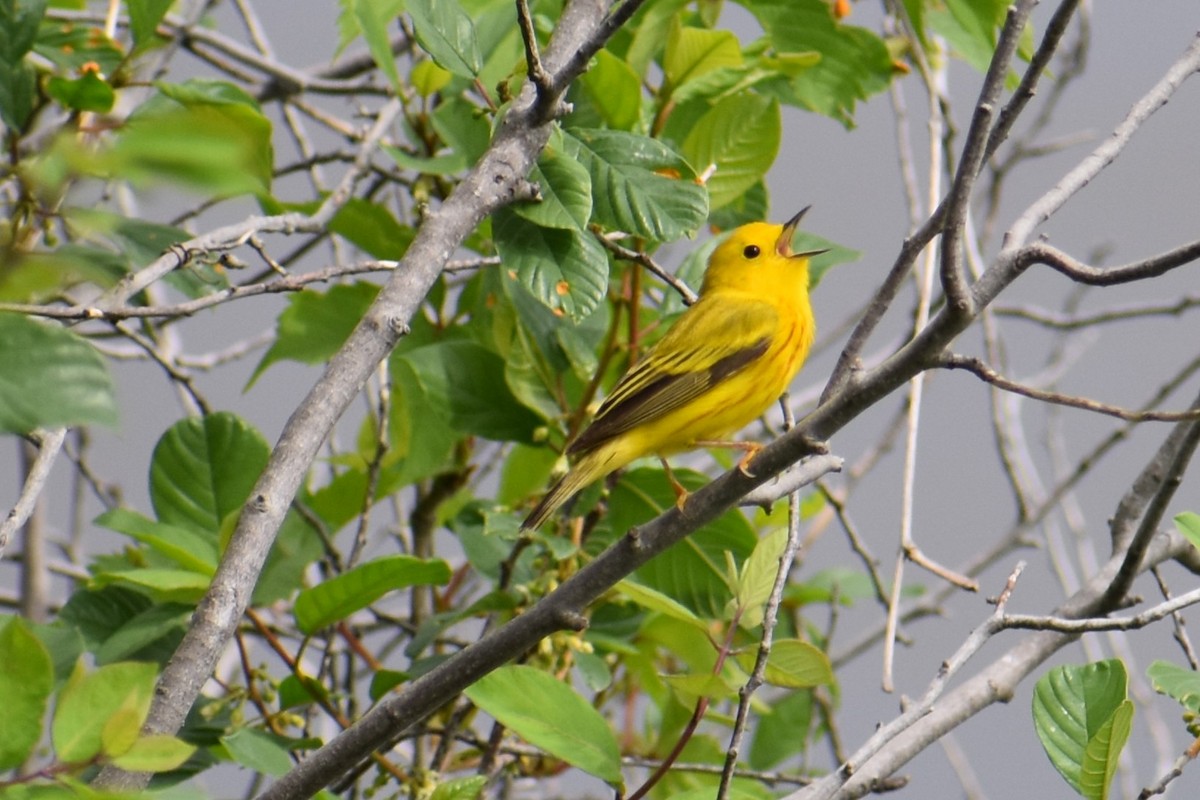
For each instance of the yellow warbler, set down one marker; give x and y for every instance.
(719, 367)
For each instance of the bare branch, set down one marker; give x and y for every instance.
(770, 619)
(1107, 152)
(49, 444)
(533, 59)
(954, 284)
(792, 479)
(638, 257)
(827, 786)
(1067, 322)
(995, 683)
(1043, 253)
(1092, 624)
(985, 373)
(1160, 479)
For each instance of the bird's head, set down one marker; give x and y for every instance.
(759, 257)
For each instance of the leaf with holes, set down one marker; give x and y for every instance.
(565, 269)
(639, 185)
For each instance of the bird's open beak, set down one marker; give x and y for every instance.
(783, 245)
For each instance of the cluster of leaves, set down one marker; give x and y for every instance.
(97, 715)
(1083, 715)
(674, 127)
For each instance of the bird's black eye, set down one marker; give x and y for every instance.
(751, 251)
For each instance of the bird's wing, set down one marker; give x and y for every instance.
(707, 345)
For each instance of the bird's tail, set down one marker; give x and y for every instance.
(586, 470)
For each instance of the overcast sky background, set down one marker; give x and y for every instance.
(1148, 202)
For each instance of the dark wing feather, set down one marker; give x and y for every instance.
(659, 384)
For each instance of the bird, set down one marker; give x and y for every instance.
(718, 368)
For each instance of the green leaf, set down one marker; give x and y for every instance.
(296, 691)
(445, 31)
(549, 714)
(694, 686)
(87, 702)
(97, 613)
(420, 433)
(355, 589)
(854, 64)
(26, 680)
(142, 630)
(18, 87)
(970, 27)
(566, 193)
(795, 664)
(296, 546)
(1104, 752)
(693, 571)
(460, 788)
(156, 753)
(639, 185)
(692, 52)
(120, 730)
(614, 91)
(526, 470)
(257, 751)
(594, 671)
(757, 578)
(373, 18)
(208, 135)
(19, 20)
(183, 546)
(782, 733)
(656, 601)
(144, 16)
(43, 276)
(371, 228)
(161, 585)
(49, 377)
(428, 78)
(1180, 683)
(143, 241)
(565, 269)
(451, 375)
(1073, 713)
(462, 127)
(384, 680)
(202, 470)
(1188, 524)
(70, 46)
(449, 163)
(64, 643)
(740, 135)
(89, 92)
(315, 325)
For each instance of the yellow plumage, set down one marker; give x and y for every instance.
(718, 368)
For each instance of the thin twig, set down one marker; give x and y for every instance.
(985, 373)
(770, 619)
(1091, 624)
(978, 637)
(1181, 635)
(644, 259)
